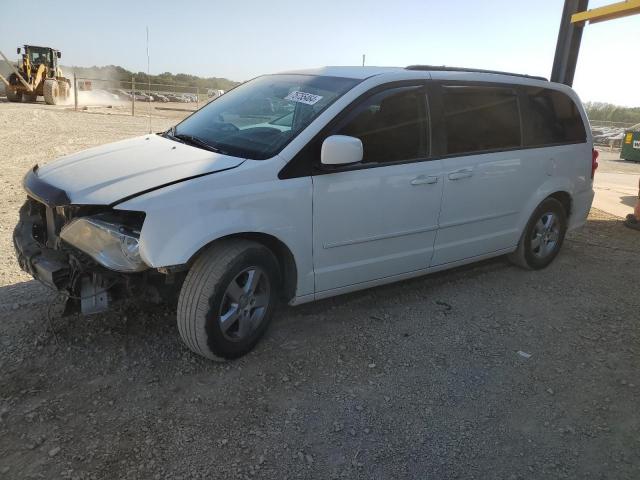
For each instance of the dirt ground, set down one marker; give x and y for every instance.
(482, 372)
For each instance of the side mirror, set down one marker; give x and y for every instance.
(341, 150)
(18, 50)
(59, 54)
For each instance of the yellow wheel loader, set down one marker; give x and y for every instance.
(39, 75)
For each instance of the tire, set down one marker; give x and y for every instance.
(216, 286)
(30, 98)
(13, 96)
(543, 236)
(51, 91)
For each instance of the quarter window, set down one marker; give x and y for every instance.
(553, 118)
(392, 125)
(479, 118)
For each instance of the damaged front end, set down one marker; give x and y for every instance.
(89, 253)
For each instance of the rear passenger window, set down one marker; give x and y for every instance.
(392, 125)
(479, 118)
(552, 118)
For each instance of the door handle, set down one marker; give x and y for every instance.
(424, 180)
(460, 174)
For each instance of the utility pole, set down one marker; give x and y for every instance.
(574, 17)
(568, 46)
(75, 92)
(149, 79)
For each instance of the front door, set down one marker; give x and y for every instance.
(379, 218)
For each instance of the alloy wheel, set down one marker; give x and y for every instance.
(244, 304)
(545, 235)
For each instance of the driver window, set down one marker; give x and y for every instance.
(392, 126)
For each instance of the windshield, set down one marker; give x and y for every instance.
(257, 119)
(39, 55)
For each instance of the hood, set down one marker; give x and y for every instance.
(106, 174)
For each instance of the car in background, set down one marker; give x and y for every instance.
(158, 97)
(144, 97)
(213, 93)
(176, 97)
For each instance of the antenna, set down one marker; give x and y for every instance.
(148, 79)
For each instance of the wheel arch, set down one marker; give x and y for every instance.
(282, 252)
(565, 199)
(559, 188)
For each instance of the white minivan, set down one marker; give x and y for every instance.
(309, 184)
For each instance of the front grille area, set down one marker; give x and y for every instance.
(39, 228)
(47, 223)
(31, 239)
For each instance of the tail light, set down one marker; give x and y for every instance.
(594, 161)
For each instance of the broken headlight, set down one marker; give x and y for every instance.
(110, 242)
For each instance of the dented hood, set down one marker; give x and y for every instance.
(107, 174)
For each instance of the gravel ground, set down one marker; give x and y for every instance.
(481, 372)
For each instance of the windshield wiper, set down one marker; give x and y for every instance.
(171, 133)
(195, 141)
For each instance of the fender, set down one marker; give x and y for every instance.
(183, 218)
(551, 186)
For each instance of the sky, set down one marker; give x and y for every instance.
(240, 40)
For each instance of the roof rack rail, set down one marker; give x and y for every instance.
(443, 68)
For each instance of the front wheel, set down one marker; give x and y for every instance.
(13, 95)
(542, 237)
(64, 89)
(228, 298)
(51, 91)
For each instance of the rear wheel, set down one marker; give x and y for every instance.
(543, 236)
(64, 90)
(51, 91)
(228, 298)
(30, 97)
(12, 95)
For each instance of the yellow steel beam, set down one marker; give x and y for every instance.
(608, 12)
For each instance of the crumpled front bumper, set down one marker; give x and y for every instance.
(45, 264)
(89, 287)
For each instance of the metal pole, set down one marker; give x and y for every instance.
(4, 80)
(568, 46)
(133, 96)
(75, 92)
(149, 78)
(363, 59)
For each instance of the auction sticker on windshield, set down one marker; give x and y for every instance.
(303, 97)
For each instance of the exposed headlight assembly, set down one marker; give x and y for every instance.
(109, 242)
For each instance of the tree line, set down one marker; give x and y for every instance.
(601, 111)
(117, 73)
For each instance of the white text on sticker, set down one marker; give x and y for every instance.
(302, 97)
